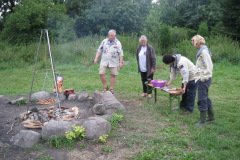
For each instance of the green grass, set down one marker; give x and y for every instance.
(179, 138)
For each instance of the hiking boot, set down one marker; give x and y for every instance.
(203, 115)
(210, 115)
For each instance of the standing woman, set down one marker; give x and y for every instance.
(203, 78)
(146, 59)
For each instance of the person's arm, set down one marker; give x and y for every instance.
(96, 57)
(207, 61)
(121, 62)
(153, 55)
(184, 87)
(169, 82)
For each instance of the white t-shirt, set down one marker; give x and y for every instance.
(142, 59)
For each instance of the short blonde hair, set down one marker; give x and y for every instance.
(198, 40)
(143, 38)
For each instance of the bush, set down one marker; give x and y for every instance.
(203, 29)
(222, 48)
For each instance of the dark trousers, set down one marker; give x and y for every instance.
(203, 100)
(144, 78)
(188, 98)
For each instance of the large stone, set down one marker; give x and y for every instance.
(96, 127)
(55, 128)
(40, 95)
(4, 100)
(99, 97)
(99, 109)
(72, 97)
(26, 138)
(83, 96)
(1, 144)
(17, 100)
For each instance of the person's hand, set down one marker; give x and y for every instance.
(152, 71)
(168, 84)
(95, 61)
(120, 65)
(184, 89)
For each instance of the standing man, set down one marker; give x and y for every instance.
(112, 58)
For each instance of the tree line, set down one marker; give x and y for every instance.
(66, 20)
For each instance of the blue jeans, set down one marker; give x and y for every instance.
(188, 98)
(203, 100)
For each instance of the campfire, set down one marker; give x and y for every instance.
(37, 118)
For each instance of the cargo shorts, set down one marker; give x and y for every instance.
(113, 70)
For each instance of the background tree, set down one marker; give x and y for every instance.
(124, 16)
(203, 29)
(29, 17)
(231, 18)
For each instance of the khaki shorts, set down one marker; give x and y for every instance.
(113, 70)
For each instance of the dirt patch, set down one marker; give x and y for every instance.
(129, 139)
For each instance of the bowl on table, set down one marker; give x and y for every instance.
(158, 82)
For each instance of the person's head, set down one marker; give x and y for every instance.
(168, 59)
(198, 41)
(143, 40)
(111, 35)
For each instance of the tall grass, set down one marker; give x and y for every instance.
(83, 51)
(222, 48)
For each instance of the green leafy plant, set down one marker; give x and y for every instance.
(21, 102)
(78, 132)
(103, 138)
(116, 119)
(60, 142)
(107, 149)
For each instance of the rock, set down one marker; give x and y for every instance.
(55, 128)
(1, 144)
(99, 97)
(26, 138)
(99, 109)
(4, 100)
(17, 100)
(96, 127)
(40, 95)
(72, 96)
(83, 96)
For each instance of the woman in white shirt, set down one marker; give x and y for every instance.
(146, 59)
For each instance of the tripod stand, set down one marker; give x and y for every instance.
(45, 31)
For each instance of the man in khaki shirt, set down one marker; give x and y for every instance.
(112, 58)
(183, 66)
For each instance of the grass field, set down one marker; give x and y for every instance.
(179, 139)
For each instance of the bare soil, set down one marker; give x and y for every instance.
(129, 139)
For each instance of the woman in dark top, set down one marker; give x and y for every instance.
(146, 59)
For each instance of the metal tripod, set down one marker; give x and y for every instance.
(53, 70)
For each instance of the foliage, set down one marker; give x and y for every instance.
(165, 37)
(30, 16)
(222, 48)
(78, 133)
(103, 139)
(21, 102)
(123, 16)
(203, 29)
(190, 14)
(107, 149)
(231, 18)
(116, 119)
(60, 142)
